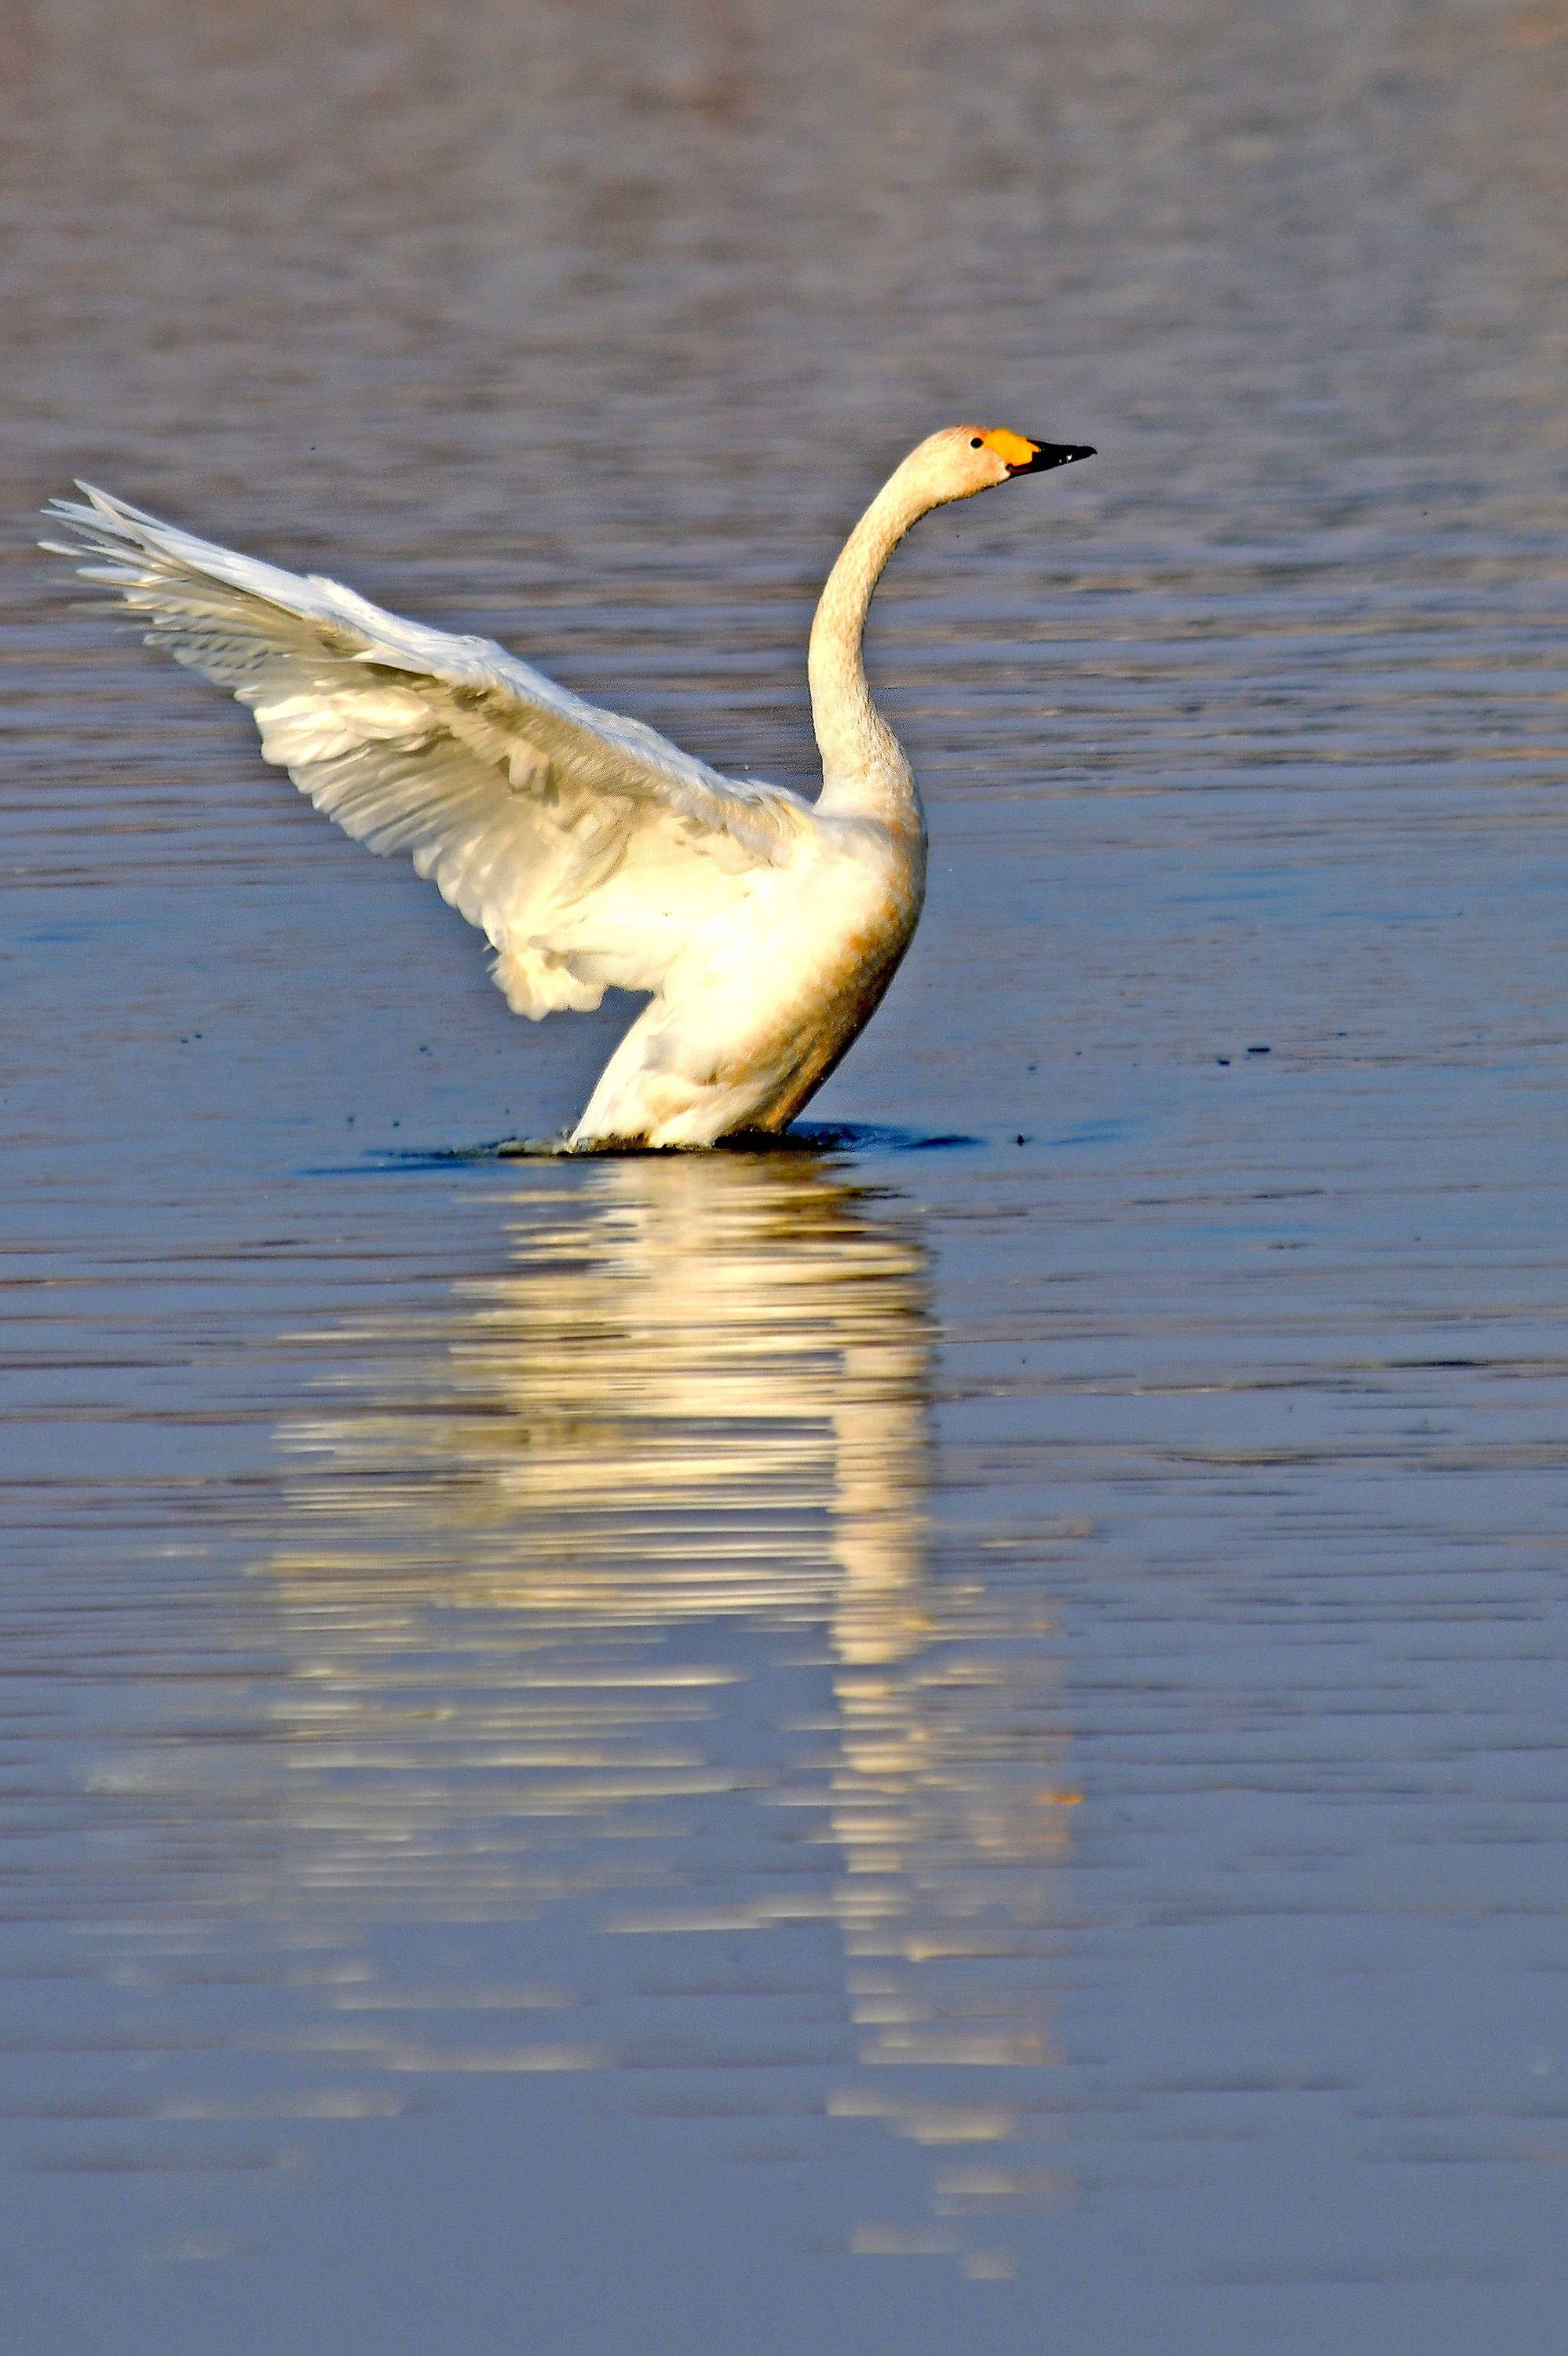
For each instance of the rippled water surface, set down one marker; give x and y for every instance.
(949, 1738)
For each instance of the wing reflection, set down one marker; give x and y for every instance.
(700, 1389)
(557, 1531)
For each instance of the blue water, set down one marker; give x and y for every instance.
(949, 1737)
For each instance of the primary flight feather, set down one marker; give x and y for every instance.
(588, 849)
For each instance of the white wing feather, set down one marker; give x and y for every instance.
(585, 846)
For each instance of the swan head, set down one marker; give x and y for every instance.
(963, 459)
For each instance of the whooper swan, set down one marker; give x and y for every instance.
(589, 850)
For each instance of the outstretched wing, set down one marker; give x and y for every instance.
(584, 846)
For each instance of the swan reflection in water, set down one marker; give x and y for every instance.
(611, 1576)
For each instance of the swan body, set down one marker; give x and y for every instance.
(590, 851)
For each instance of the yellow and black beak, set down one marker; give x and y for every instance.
(1043, 454)
(1019, 456)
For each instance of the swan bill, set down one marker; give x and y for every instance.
(1021, 455)
(1044, 454)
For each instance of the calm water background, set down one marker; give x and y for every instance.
(881, 1750)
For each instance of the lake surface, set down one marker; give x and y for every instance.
(951, 1739)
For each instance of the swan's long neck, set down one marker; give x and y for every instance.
(864, 772)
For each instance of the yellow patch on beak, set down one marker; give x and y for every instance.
(1010, 448)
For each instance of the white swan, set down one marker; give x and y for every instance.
(587, 849)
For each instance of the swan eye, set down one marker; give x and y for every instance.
(978, 443)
